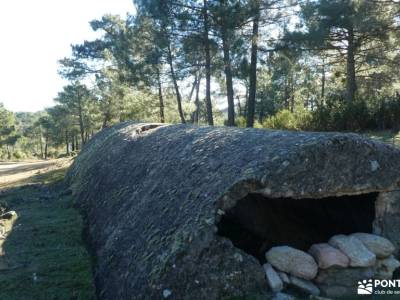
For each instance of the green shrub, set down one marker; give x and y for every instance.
(19, 155)
(240, 121)
(343, 116)
(301, 119)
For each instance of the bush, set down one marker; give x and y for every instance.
(338, 115)
(387, 114)
(301, 119)
(19, 155)
(240, 121)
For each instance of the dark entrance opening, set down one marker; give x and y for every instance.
(258, 223)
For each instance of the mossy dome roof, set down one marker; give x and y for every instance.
(152, 192)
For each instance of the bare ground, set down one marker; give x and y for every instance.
(14, 174)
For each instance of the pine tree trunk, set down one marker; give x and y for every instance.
(197, 100)
(81, 126)
(41, 142)
(239, 106)
(8, 152)
(228, 76)
(76, 143)
(261, 115)
(45, 146)
(106, 119)
(287, 104)
(292, 103)
(246, 100)
(351, 85)
(251, 103)
(174, 80)
(66, 142)
(323, 81)
(210, 118)
(194, 85)
(160, 97)
(291, 94)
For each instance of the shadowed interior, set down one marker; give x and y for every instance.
(258, 223)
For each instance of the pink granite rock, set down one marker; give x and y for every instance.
(327, 256)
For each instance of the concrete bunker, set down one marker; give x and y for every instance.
(257, 223)
(192, 212)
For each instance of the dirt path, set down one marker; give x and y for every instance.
(6, 167)
(16, 173)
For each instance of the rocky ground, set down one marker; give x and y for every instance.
(43, 255)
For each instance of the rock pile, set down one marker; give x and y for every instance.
(331, 269)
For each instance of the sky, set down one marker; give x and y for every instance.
(34, 35)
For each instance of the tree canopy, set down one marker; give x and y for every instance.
(304, 65)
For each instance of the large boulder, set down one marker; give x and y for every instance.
(354, 249)
(327, 256)
(292, 261)
(153, 196)
(378, 245)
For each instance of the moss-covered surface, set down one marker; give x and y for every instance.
(154, 198)
(45, 255)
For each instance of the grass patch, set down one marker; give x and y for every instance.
(46, 255)
(386, 136)
(50, 177)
